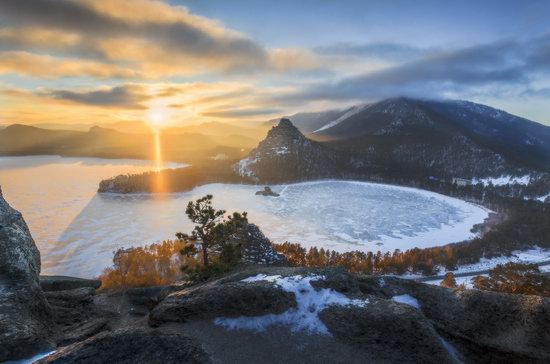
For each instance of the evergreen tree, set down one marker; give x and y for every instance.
(212, 229)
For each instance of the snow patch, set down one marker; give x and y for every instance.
(304, 317)
(504, 180)
(453, 352)
(243, 169)
(30, 360)
(407, 299)
(354, 110)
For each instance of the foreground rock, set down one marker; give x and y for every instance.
(25, 317)
(376, 331)
(434, 325)
(222, 298)
(132, 346)
(485, 326)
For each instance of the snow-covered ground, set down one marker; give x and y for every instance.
(304, 317)
(534, 255)
(407, 299)
(504, 180)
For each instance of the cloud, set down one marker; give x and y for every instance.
(109, 28)
(238, 113)
(390, 51)
(44, 66)
(459, 71)
(125, 97)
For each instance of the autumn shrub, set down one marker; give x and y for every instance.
(150, 265)
(515, 278)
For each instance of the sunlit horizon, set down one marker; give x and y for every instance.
(208, 61)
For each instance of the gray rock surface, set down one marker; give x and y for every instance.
(267, 191)
(132, 346)
(397, 333)
(222, 298)
(484, 326)
(25, 318)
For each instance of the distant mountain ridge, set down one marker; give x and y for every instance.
(103, 142)
(403, 137)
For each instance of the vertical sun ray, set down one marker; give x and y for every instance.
(158, 178)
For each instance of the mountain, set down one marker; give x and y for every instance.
(401, 138)
(104, 142)
(19, 139)
(287, 155)
(444, 138)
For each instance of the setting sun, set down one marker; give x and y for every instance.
(156, 117)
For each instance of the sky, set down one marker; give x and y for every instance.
(181, 62)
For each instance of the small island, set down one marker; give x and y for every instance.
(267, 191)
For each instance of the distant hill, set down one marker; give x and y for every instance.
(446, 137)
(287, 155)
(404, 137)
(103, 142)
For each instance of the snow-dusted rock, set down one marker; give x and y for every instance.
(287, 155)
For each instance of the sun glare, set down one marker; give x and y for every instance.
(157, 116)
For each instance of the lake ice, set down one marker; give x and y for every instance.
(77, 230)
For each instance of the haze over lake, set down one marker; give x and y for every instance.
(77, 230)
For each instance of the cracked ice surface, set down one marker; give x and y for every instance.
(77, 230)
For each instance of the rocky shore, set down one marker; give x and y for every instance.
(258, 313)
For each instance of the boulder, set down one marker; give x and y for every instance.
(63, 283)
(132, 346)
(485, 326)
(222, 298)
(397, 333)
(25, 317)
(255, 247)
(492, 326)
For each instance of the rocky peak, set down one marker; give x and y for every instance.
(284, 134)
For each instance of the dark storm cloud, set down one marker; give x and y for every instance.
(502, 64)
(178, 35)
(126, 96)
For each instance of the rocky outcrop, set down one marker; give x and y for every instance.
(364, 314)
(485, 326)
(255, 247)
(222, 298)
(267, 191)
(132, 346)
(287, 155)
(25, 317)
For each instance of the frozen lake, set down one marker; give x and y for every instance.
(77, 230)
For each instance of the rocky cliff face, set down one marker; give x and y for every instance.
(25, 323)
(287, 155)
